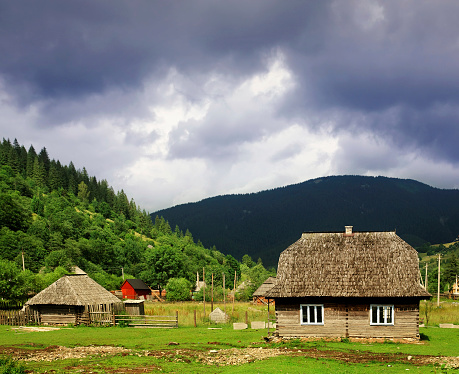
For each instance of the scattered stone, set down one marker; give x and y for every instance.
(257, 325)
(239, 326)
(448, 326)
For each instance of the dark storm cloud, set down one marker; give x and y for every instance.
(76, 48)
(387, 67)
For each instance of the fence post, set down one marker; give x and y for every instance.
(246, 318)
(176, 318)
(113, 317)
(195, 318)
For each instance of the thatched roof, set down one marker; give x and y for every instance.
(74, 290)
(265, 287)
(359, 264)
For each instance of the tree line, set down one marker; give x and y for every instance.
(54, 217)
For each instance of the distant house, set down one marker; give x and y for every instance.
(348, 284)
(259, 295)
(135, 289)
(70, 299)
(455, 289)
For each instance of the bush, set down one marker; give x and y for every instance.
(178, 289)
(8, 366)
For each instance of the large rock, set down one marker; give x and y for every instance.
(239, 326)
(218, 316)
(257, 325)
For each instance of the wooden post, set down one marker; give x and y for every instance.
(23, 263)
(176, 318)
(212, 295)
(204, 290)
(438, 291)
(246, 318)
(234, 290)
(426, 278)
(195, 318)
(268, 316)
(224, 298)
(113, 318)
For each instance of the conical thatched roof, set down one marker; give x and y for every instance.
(74, 289)
(265, 287)
(359, 264)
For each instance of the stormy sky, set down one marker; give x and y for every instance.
(175, 101)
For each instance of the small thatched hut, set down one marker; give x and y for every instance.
(351, 284)
(259, 294)
(70, 299)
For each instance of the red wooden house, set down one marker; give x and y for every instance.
(135, 289)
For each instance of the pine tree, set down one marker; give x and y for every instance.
(53, 180)
(44, 158)
(83, 192)
(31, 156)
(39, 173)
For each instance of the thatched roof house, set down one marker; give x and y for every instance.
(67, 299)
(351, 284)
(259, 294)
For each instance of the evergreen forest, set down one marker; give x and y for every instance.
(54, 217)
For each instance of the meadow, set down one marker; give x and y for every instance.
(210, 348)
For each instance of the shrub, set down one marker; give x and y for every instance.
(178, 289)
(8, 366)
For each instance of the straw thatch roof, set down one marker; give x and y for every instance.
(74, 290)
(265, 287)
(360, 264)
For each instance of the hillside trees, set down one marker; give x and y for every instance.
(55, 217)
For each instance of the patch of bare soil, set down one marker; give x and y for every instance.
(219, 357)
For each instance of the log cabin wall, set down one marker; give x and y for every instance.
(348, 318)
(59, 314)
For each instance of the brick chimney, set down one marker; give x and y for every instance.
(348, 231)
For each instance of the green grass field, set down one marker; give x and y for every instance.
(209, 348)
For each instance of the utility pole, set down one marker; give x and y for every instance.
(122, 272)
(204, 290)
(426, 278)
(438, 292)
(234, 290)
(23, 263)
(224, 298)
(212, 295)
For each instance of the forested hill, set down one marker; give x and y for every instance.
(263, 224)
(54, 216)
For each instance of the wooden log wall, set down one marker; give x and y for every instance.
(347, 319)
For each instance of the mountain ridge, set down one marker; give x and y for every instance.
(264, 223)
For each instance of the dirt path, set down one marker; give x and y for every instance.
(222, 357)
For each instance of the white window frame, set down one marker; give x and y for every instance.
(315, 314)
(385, 322)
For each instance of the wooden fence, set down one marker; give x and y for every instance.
(146, 321)
(91, 317)
(19, 318)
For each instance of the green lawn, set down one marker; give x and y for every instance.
(182, 358)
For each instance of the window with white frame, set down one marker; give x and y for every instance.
(381, 314)
(312, 314)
